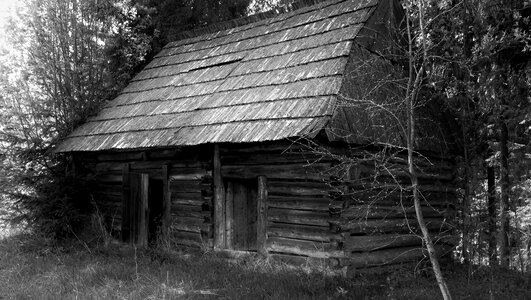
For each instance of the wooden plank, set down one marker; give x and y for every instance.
(240, 216)
(361, 212)
(187, 220)
(188, 214)
(219, 201)
(181, 195)
(252, 214)
(143, 228)
(188, 173)
(272, 158)
(275, 147)
(126, 211)
(299, 217)
(293, 190)
(181, 201)
(376, 242)
(390, 225)
(301, 203)
(291, 171)
(261, 221)
(121, 156)
(166, 202)
(187, 185)
(229, 216)
(307, 248)
(302, 232)
(185, 208)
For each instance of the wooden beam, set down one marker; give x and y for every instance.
(261, 217)
(219, 201)
(143, 212)
(126, 211)
(229, 216)
(166, 202)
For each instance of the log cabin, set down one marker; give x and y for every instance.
(258, 136)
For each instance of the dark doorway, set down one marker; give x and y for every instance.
(241, 214)
(142, 209)
(156, 189)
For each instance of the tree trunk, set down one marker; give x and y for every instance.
(491, 202)
(504, 195)
(413, 89)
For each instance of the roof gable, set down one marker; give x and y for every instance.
(268, 80)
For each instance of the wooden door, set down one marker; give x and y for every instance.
(241, 214)
(135, 210)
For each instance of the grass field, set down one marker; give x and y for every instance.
(33, 267)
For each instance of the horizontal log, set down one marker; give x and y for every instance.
(389, 200)
(388, 256)
(181, 201)
(300, 247)
(188, 185)
(389, 225)
(314, 204)
(311, 233)
(191, 208)
(386, 187)
(291, 171)
(294, 191)
(274, 147)
(188, 173)
(187, 214)
(376, 242)
(361, 212)
(187, 220)
(425, 163)
(189, 196)
(299, 217)
(121, 156)
(273, 158)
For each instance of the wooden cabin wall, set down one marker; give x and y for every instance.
(318, 208)
(298, 200)
(377, 219)
(189, 189)
(321, 209)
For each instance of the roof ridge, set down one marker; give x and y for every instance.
(229, 24)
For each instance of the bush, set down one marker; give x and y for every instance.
(57, 205)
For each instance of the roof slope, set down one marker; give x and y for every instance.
(268, 80)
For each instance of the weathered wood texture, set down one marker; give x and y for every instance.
(261, 221)
(315, 208)
(296, 213)
(318, 208)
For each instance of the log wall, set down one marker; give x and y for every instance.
(316, 207)
(187, 175)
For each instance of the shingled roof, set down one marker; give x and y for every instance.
(268, 80)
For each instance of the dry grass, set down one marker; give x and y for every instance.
(33, 267)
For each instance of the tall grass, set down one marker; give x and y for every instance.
(34, 267)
